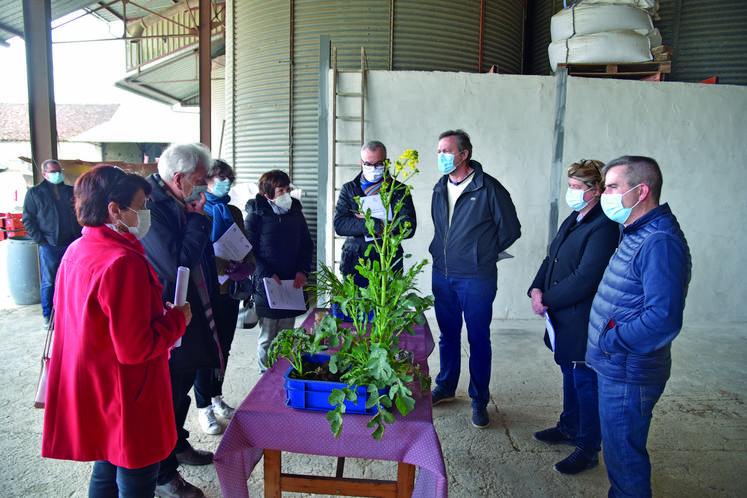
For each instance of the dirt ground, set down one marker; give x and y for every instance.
(698, 440)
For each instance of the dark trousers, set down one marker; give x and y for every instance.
(110, 481)
(181, 383)
(209, 382)
(49, 261)
(580, 417)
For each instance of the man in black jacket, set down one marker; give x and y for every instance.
(349, 222)
(49, 218)
(180, 236)
(474, 221)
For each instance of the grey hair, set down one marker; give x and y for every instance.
(373, 145)
(184, 159)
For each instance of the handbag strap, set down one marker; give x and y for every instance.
(50, 333)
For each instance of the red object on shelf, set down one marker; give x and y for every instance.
(653, 77)
(711, 81)
(11, 225)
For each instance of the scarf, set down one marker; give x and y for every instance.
(370, 188)
(217, 208)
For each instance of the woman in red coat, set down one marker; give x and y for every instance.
(109, 394)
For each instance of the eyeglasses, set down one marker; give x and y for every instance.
(378, 164)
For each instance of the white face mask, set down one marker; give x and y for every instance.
(283, 201)
(373, 173)
(143, 223)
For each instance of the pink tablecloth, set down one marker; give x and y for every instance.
(263, 421)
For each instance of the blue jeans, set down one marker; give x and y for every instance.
(49, 261)
(625, 411)
(473, 299)
(110, 481)
(580, 417)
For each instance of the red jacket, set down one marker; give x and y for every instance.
(109, 390)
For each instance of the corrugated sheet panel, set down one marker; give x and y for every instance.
(258, 131)
(436, 35)
(709, 39)
(503, 36)
(539, 12)
(350, 26)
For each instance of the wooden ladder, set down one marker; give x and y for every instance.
(348, 126)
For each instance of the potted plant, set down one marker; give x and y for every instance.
(368, 354)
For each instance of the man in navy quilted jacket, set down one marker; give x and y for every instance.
(635, 316)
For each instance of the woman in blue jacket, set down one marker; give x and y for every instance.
(564, 288)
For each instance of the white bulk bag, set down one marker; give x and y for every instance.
(602, 48)
(650, 6)
(587, 19)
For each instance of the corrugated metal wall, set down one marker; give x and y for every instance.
(709, 39)
(504, 36)
(539, 13)
(272, 116)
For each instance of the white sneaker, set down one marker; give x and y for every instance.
(222, 409)
(208, 422)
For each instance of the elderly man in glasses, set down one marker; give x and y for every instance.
(350, 223)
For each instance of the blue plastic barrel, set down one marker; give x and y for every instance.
(23, 270)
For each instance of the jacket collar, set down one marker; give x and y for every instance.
(477, 180)
(658, 211)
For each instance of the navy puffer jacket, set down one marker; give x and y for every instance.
(638, 309)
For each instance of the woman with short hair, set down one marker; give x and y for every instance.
(283, 250)
(109, 394)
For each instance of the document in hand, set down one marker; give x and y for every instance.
(550, 330)
(232, 245)
(284, 297)
(373, 203)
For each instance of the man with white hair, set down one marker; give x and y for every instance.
(180, 236)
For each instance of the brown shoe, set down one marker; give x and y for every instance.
(194, 457)
(179, 488)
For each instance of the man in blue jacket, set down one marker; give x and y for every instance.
(474, 221)
(635, 316)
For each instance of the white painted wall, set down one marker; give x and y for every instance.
(696, 132)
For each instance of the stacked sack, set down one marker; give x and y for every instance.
(604, 31)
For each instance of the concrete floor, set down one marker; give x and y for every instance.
(698, 440)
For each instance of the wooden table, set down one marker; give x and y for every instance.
(264, 425)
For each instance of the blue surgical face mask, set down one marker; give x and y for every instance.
(196, 190)
(446, 163)
(612, 205)
(575, 199)
(55, 177)
(221, 187)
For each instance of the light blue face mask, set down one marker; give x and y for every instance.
(55, 177)
(612, 205)
(196, 189)
(446, 163)
(575, 199)
(221, 187)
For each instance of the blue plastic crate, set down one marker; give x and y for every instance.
(314, 394)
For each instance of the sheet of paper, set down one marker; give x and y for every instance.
(550, 331)
(374, 204)
(285, 296)
(232, 245)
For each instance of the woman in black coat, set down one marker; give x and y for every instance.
(283, 250)
(564, 288)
